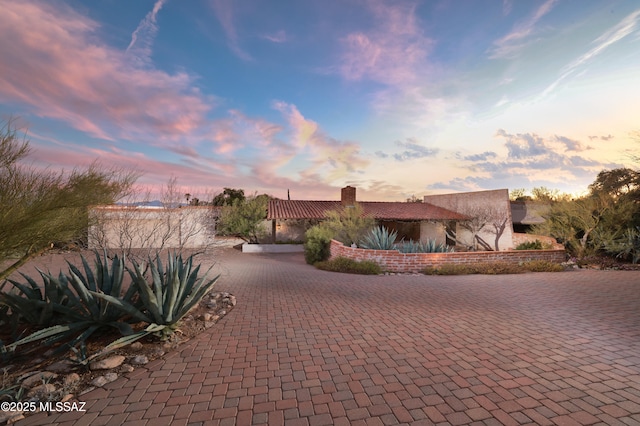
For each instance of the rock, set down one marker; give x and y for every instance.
(15, 419)
(41, 391)
(126, 368)
(71, 379)
(136, 346)
(107, 363)
(38, 378)
(139, 360)
(87, 390)
(209, 324)
(67, 397)
(100, 381)
(63, 366)
(223, 312)
(206, 317)
(8, 417)
(232, 300)
(211, 304)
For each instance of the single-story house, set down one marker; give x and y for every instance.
(416, 221)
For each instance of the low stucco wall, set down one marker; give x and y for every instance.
(272, 248)
(394, 261)
(118, 227)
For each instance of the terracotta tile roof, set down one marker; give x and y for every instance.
(302, 209)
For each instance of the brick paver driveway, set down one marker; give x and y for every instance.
(307, 347)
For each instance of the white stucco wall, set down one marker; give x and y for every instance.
(494, 203)
(434, 231)
(138, 227)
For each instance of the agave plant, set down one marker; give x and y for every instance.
(379, 238)
(428, 246)
(81, 313)
(174, 290)
(625, 246)
(33, 303)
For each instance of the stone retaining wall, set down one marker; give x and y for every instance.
(394, 261)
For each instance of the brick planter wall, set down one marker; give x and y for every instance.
(394, 261)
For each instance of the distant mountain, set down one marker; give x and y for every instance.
(154, 203)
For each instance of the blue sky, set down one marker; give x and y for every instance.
(397, 98)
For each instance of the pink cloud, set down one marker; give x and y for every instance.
(224, 11)
(200, 175)
(279, 36)
(515, 40)
(329, 158)
(144, 35)
(392, 52)
(56, 65)
(238, 130)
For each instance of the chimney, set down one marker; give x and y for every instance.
(348, 196)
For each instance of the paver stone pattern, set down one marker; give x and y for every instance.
(308, 347)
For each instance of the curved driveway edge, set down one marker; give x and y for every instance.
(309, 347)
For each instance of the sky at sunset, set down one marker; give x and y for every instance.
(397, 98)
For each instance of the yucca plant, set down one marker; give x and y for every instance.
(379, 238)
(172, 292)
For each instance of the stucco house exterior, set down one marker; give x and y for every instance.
(490, 213)
(525, 214)
(417, 221)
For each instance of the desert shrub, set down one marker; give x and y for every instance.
(349, 266)
(448, 269)
(496, 268)
(244, 217)
(626, 245)
(379, 238)
(599, 261)
(348, 224)
(316, 245)
(542, 266)
(530, 245)
(40, 208)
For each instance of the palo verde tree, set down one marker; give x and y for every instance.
(606, 219)
(40, 208)
(349, 225)
(244, 217)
